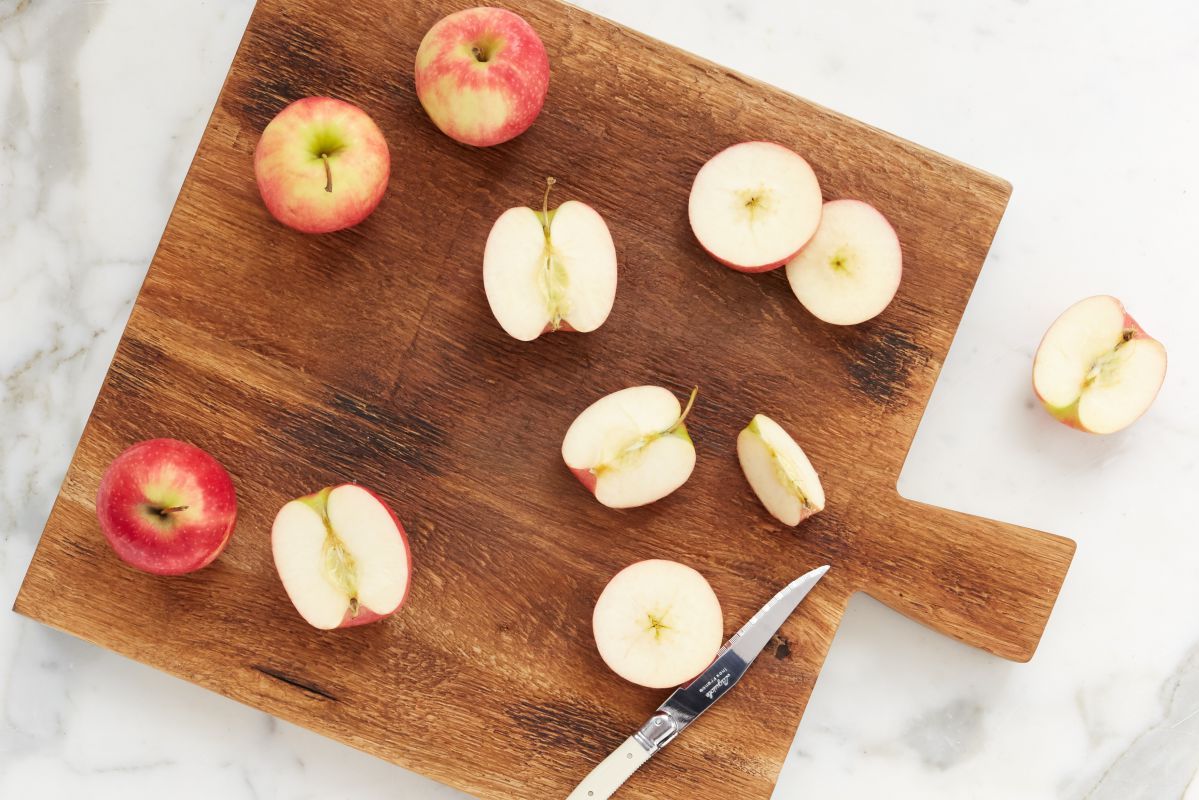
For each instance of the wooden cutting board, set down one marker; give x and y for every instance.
(370, 355)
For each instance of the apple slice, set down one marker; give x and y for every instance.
(657, 624)
(1096, 369)
(753, 205)
(850, 270)
(549, 271)
(778, 471)
(631, 447)
(342, 556)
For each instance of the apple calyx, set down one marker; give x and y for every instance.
(677, 428)
(339, 565)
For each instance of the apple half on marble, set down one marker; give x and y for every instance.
(550, 270)
(658, 624)
(850, 270)
(631, 447)
(322, 165)
(166, 507)
(1096, 369)
(482, 75)
(779, 471)
(754, 205)
(342, 556)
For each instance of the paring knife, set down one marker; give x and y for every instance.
(688, 702)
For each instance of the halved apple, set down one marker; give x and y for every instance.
(631, 447)
(850, 270)
(658, 624)
(779, 471)
(753, 205)
(1096, 369)
(342, 556)
(550, 270)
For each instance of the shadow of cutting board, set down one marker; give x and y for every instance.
(370, 355)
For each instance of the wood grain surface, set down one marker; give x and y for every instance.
(370, 355)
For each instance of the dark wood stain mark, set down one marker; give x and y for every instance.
(563, 724)
(304, 686)
(881, 365)
(782, 647)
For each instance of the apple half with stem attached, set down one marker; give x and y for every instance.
(481, 75)
(1096, 369)
(342, 556)
(779, 471)
(658, 624)
(753, 205)
(850, 270)
(321, 165)
(549, 270)
(631, 447)
(166, 507)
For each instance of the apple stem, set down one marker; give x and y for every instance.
(328, 173)
(687, 409)
(166, 512)
(545, 199)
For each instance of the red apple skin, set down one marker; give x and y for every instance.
(366, 615)
(586, 477)
(482, 103)
(159, 471)
(1068, 415)
(291, 175)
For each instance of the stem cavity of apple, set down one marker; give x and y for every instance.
(328, 173)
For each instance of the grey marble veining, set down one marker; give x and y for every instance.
(1087, 108)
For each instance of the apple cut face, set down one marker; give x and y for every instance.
(851, 269)
(753, 206)
(779, 471)
(1096, 369)
(548, 271)
(631, 447)
(658, 624)
(342, 556)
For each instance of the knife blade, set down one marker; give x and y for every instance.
(687, 702)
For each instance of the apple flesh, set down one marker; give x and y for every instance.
(549, 270)
(1096, 369)
(779, 471)
(631, 447)
(658, 624)
(321, 165)
(166, 507)
(342, 556)
(850, 270)
(753, 205)
(481, 75)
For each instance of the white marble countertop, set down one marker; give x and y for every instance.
(1089, 109)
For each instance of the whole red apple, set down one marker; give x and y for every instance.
(166, 507)
(482, 75)
(322, 165)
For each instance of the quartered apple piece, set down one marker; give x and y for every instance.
(1096, 369)
(753, 205)
(658, 624)
(631, 447)
(779, 472)
(850, 270)
(342, 556)
(550, 270)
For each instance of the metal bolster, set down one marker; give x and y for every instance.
(658, 732)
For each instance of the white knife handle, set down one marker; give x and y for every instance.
(608, 776)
